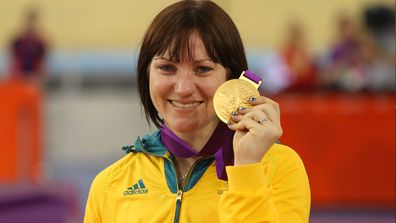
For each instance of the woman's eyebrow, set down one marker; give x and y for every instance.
(201, 60)
(194, 61)
(161, 58)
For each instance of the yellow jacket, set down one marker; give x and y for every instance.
(143, 187)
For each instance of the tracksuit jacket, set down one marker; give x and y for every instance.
(143, 187)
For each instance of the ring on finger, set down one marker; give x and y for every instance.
(261, 121)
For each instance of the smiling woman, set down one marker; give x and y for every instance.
(194, 167)
(182, 92)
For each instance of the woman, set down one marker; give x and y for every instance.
(177, 174)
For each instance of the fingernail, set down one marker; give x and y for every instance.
(234, 113)
(252, 99)
(241, 108)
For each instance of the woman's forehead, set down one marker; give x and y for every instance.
(193, 49)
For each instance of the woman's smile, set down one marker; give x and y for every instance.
(185, 104)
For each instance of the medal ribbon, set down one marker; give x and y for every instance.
(219, 144)
(252, 77)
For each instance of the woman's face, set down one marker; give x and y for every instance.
(182, 92)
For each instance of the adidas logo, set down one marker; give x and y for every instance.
(137, 188)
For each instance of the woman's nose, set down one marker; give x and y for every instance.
(185, 84)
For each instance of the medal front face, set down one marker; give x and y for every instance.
(231, 95)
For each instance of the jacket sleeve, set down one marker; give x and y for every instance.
(274, 191)
(94, 203)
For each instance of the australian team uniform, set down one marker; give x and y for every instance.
(143, 187)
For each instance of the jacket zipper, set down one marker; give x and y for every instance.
(179, 193)
(178, 205)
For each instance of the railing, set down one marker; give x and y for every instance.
(20, 132)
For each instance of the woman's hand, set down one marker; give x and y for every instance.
(257, 129)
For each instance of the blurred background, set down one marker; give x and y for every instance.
(68, 98)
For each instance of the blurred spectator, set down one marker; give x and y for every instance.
(345, 69)
(275, 69)
(28, 50)
(379, 47)
(302, 70)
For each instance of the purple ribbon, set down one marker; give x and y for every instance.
(252, 76)
(219, 144)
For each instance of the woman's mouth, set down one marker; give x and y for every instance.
(185, 105)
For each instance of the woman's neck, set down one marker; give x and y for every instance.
(197, 139)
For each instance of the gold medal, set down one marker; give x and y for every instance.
(233, 94)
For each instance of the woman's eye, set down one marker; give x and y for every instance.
(203, 69)
(167, 68)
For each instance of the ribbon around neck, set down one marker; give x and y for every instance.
(219, 145)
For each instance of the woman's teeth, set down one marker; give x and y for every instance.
(182, 105)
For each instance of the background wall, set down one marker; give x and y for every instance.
(74, 24)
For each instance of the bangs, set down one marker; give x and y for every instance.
(180, 46)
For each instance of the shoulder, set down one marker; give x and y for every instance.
(101, 183)
(282, 154)
(139, 154)
(106, 176)
(282, 162)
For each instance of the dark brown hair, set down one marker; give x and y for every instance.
(170, 32)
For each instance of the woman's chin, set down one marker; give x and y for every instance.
(184, 126)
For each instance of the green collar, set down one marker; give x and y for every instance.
(150, 143)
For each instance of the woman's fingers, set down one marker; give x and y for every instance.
(258, 112)
(265, 113)
(255, 114)
(256, 101)
(245, 125)
(265, 100)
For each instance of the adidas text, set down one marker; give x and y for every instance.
(138, 191)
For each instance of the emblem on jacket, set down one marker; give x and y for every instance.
(137, 188)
